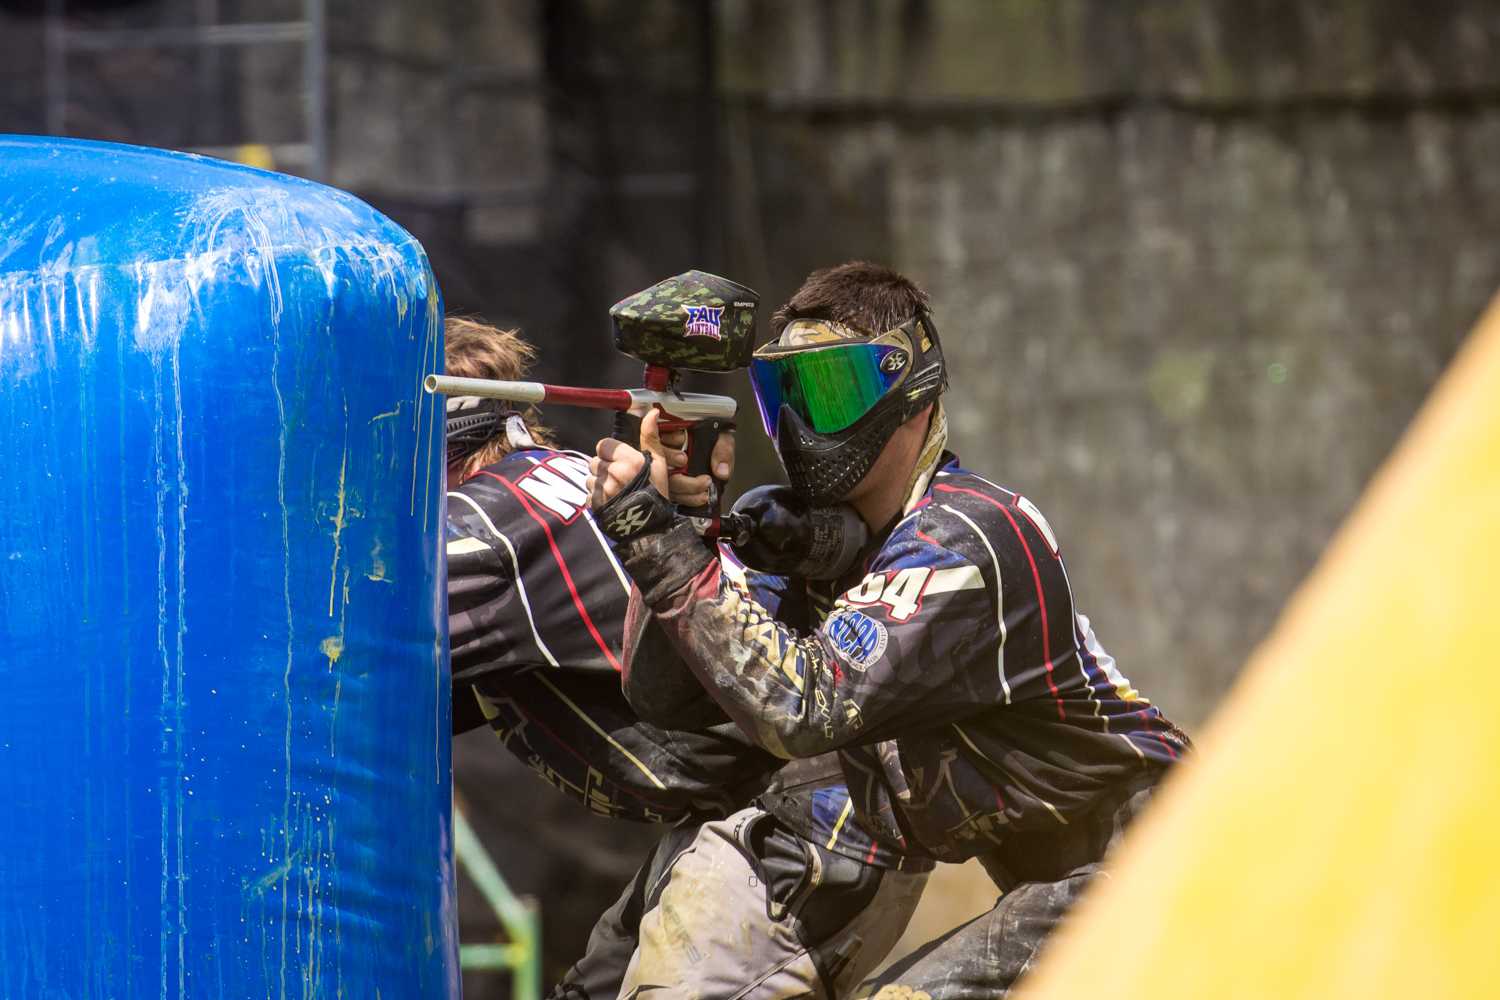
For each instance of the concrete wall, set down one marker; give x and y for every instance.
(1195, 265)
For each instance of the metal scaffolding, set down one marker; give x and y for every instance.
(209, 37)
(522, 954)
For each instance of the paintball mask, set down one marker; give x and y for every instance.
(831, 405)
(471, 422)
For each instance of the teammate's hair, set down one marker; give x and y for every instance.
(868, 297)
(475, 349)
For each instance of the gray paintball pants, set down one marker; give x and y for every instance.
(986, 956)
(740, 908)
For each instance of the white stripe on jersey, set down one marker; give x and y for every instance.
(1123, 689)
(609, 553)
(1106, 662)
(946, 581)
(970, 475)
(466, 545)
(1081, 627)
(999, 594)
(516, 567)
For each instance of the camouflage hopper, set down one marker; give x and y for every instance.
(696, 320)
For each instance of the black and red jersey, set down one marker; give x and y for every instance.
(536, 606)
(964, 691)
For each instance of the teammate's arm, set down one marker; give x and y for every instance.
(657, 681)
(484, 604)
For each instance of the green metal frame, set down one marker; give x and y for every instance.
(522, 955)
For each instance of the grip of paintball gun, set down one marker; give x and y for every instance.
(702, 436)
(626, 429)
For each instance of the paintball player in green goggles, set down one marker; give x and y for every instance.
(537, 621)
(973, 709)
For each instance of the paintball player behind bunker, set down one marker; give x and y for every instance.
(536, 605)
(973, 709)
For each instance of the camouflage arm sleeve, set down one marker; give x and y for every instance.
(660, 686)
(657, 683)
(894, 653)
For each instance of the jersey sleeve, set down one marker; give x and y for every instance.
(484, 606)
(910, 640)
(659, 685)
(576, 732)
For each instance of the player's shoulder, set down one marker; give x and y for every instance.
(518, 501)
(968, 513)
(541, 480)
(521, 463)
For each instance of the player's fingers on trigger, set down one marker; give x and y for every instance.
(674, 439)
(723, 455)
(692, 500)
(651, 433)
(690, 491)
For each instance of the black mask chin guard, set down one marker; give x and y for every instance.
(825, 468)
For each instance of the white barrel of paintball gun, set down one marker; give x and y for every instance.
(681, 405)
(515, 392)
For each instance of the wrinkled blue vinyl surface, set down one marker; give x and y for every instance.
(224, 751)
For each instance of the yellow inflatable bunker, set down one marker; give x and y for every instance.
(1337, 835)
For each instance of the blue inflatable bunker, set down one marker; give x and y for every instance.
(224, 728)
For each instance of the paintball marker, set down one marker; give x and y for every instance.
(696, 322)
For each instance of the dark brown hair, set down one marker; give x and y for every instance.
(869, 297)
(474, 349)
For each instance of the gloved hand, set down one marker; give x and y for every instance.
(628, 488)
(785, 535)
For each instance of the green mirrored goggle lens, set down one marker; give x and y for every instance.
(828, 387)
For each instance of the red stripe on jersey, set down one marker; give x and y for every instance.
(562, 564)
(1036, 578)
(1147, 718)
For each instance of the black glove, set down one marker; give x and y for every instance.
(638, 509)
(778, 531)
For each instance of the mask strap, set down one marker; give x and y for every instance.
(516, 433)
